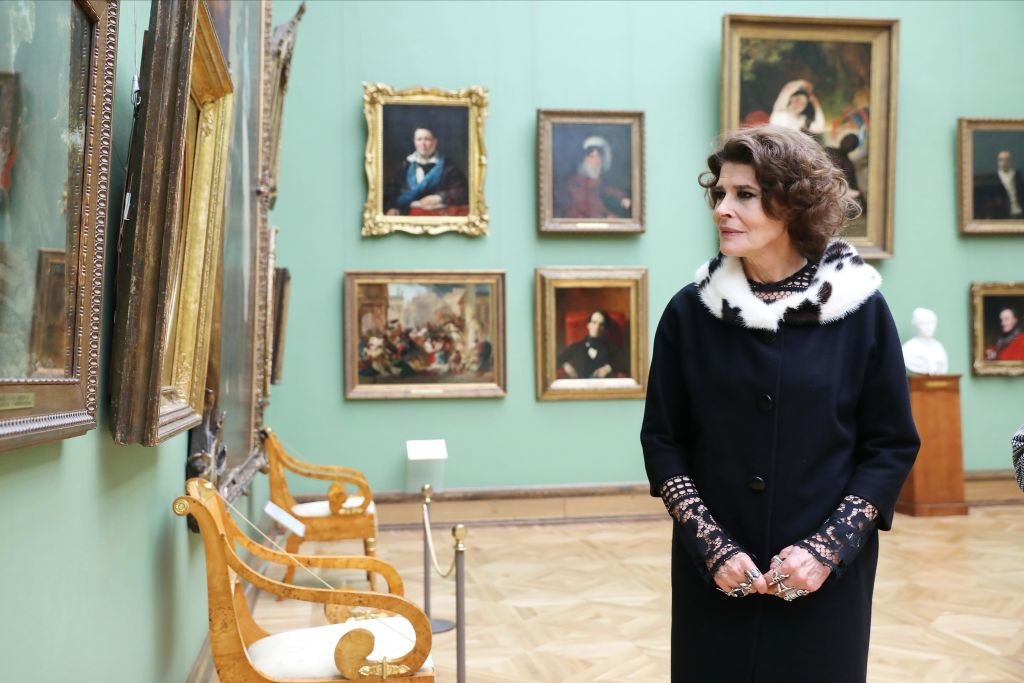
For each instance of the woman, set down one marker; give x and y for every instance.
(778, 428)
(798, 108)
(1017, 450)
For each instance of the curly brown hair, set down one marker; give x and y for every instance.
(800, 184)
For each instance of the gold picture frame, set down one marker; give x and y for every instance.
(985, 148)
(171, 233)
(590, 333)
(424, 334)
(449, 197)
(60, 402)
(997, 311)
(832, 78)
(577, 195)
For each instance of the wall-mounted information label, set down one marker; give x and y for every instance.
(17, 401)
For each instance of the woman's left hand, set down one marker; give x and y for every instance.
(794, 573)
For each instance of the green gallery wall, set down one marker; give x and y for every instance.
(104, 582)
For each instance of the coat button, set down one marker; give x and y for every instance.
(765, 403)
(756, 484)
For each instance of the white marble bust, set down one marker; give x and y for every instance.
(924, 354)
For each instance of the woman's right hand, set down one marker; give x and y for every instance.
(739, 569)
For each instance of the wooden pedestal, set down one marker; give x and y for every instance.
(936, 484)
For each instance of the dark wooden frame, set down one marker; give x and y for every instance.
(35, 410)
(165, 256)
(546, 220)
(282, 292)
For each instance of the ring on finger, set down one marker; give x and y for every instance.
(794, 593)
(777, 578)
(775, 560)
(752, 574)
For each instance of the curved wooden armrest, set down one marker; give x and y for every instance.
(338, 494)
(309, 469)
(360, 562)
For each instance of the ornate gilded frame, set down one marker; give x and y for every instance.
(546, 173)
(429, 382)
(171, 230)
(375, 222)
(281, 50)
(588, 283)
(882, 37)
(40, 409)
(985, 316)
(966, 129)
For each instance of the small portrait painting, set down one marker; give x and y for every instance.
(424, 161)
(591, 332)
(992, 175)
(422, 335)
(590, 171)
(998, 328)
(8, 131)
(822, 77)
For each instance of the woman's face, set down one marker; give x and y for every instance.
(797, 103)
(744, 229)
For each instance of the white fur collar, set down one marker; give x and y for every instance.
(843, 282)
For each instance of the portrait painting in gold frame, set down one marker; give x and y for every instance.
(425, 160)
(590, 333)
(991, 172)
(997, 309)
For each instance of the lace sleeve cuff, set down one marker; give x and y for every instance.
(704, 537)
(1017, 448)
(840, 538)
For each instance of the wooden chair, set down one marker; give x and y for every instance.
(392, 642)
(349, 511)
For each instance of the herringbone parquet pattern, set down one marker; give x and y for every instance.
(585, 603)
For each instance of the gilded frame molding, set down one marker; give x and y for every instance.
(171, 233)
(422, 387)
(1011, 294)
(547, 281)
(546, 220)
(969, 224)
(882, 35)
(375, 222)
(41, 409)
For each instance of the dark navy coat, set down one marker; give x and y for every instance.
(775, 427)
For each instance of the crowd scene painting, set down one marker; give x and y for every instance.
(432, 333)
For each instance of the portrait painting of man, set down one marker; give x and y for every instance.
(590, 332)
(590, 171)
(998, 328)
(406, 333)
(426, 152)
(832, 79)
(998, 175)
(425, 160)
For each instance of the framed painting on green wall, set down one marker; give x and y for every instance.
(590, 171)
(424, 334)
(425, 160)
(590, 333)
(991, 174)
(834, 79)
(998, 312)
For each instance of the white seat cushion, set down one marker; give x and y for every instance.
(309, 652)
(322, 508)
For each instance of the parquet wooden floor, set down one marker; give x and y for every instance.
(588, 602)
